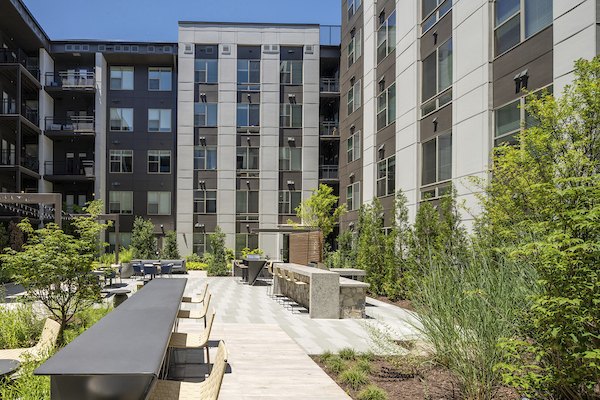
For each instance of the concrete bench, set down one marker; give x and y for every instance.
(351, 273)
(353, 298)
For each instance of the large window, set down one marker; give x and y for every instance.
(290, 72)
(353, 6)
(206, 71)
(205, 158)
(248, 115)
(121, 119)
(159, 203)
(517, 20)
(354, 46)
(437, 78)
(201, 243)
(437, 159)
(291, 116)
(205, 114)
(120, 202)
(386, 107)
(247, 158)
(354, 97)
(289, 200)
(159, 120)
(205, 201)
(290, 159)
(159, 161)
(386, 176)
(353, 144)
(433, 11)
(386, 37)
(121, 161)
(246, 202)
(159, 79)
(121, 78)
(353, 196)
(248, 75)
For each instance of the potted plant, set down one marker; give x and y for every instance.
(125, 257)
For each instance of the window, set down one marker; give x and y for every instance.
(291, 116)
(437, 159)
(159, 79)
(437, 78)
(246, 202)
(247, 158)
(205, 114)
(290, 72)
(205, 201)
(248, 115)
(159, 203)
(243, 240)
(206, 71)
(354, 47)
(248, 75)
(386, 176)
(288, 201)
(386, 107)
(120, 202)
(290, 159)
(201, 243)
(121, 161)
(124, 239)
(433, 11)
(121, 119)
(205, 157)
(354, 97)
(159, 161)
(353, 196)
(159, 120)
(386, 37)
(511, 15)
(121, 78)
(353, 144)
(353, 5)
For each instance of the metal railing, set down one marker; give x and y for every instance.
(329, 85)
(328, 172)
(31, 114)
(71, 167)
(8, 106)
(18, 56)
(77, 124)
(329, 128)
(30, 162)
(7, 157)
(71, 79)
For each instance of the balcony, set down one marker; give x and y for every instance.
(70, 80)
(70, 170)
(8, 107)
(328, 172)
(329, 129)
(329, 85)
(32, 163)
(18, 56)
(69, 126)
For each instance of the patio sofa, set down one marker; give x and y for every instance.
(178, 265)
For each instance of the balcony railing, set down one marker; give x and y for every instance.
(9, 106)
(71, 167)
(71, 79)
(7, 157)
(328, 172)
(30, 162)
(31, 114)
(76, 124)
(329, 128)
(329, 85)
(18, 56)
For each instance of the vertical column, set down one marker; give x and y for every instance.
(101, 109)
(369, 91)
(310, 126)
(46, 109)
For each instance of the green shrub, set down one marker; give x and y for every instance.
(84, 320)
(246, 251)
(372, 392)
(125, 255)
(170, 250)
(196, 266)
(217, 258)
(326, 356)
(367, 355)
(336, 364)
(347, 353)
(354, 377)
(364, 365)
(19, 327)
(194, 258)
(27, 386)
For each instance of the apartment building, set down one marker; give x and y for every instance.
(429, 87)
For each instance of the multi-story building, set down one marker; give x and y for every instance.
(432, 86)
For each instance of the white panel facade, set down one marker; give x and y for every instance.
(46, 109)
(100, 163)
(369, 91)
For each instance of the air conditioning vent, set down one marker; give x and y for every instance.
(117, 48)
(85, 47)
(226, 49)
(188, 49)
(135, 49)
(309, 49)
(68, 47)
(101, 47)
(126, 49)
(209, 50)
(167, 49)
(271, 48)
(150, 49)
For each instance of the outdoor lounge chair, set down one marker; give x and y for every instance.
(41, 349)
(199, 298)
(196, 314)
(192, 340)
(205, 390)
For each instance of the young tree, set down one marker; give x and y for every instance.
(16, 236)
(320, 210)
(170, 250)
(143, 240)
(543, 205)
(55, 268)
(396, 250)
(372, 245)
(217, 258)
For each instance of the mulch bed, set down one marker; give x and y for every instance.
(429, 383)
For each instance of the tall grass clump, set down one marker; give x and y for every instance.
(466, 306)
(19, 327)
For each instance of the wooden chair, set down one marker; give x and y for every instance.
(205, 390)
(198, 298)
(41, 349)
(196, 314)
(180, 340)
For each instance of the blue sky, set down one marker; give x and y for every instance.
(156, 20)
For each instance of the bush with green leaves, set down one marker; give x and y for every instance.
(217, 258)
(170, 250)
(19, 327)
(193, 257)
(372, 392)
(196, 266)
(336, 365)
(143, 240)
(347, 353)
(27, 386)
(354, 377)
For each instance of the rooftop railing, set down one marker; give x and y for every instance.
(77, 124)
(18, 56)
(70, 167)
(71, 79)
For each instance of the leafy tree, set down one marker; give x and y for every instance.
(543, 205)
(170, 250)
(372, 245)
(16, 236)
(4, 243)
(320, 210)
(55, 268)
(143, 240)
(217, 258)
(396, 250)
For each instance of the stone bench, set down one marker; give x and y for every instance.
(353, 298)
(351, 273)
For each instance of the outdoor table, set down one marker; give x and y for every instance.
(7, 367)
(121, 356)
(255, 266)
